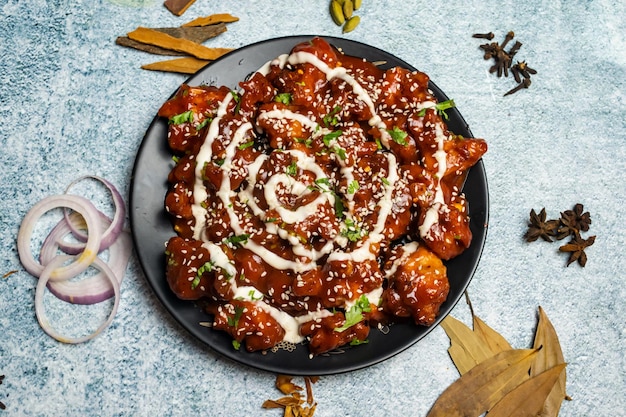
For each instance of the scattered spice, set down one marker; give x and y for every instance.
(293, 403)
(178, 7)
(198, 34)
(342, 13)
(163, 40)
(186, 65)
(524, 84)
(212, 20)
(539, 227)
(489, 36)
(576, 248)
(503, 60)
(523, 70)
(185, 41)
(570, 224)
(574, 221)
(503, 381)
(8, 274)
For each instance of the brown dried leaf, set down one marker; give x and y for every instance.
(309, 390)
(549, 355)
(212, 20)
(293, 405)
(188, 65)
(282, 402)
(163, 40)
(285, 385)
(528, 398)
(467, 348)
(496, 342)
(483, 386)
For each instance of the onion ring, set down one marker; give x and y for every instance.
(110, 234)
(94, 289)
(44, 277)
(82, 261)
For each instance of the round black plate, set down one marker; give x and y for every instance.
(151, 227)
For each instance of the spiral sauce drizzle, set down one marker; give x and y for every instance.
(350, 254)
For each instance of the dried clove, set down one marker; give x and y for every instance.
(488, 36)
(503, 60)
(509, 37)
(524, 69)
(524, 84)
(514, 49)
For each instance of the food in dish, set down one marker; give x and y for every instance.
(319, 199)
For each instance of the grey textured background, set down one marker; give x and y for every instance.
(74, 103)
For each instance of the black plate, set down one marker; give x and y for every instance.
(151, 227)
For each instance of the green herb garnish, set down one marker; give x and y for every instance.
(186, 117)
(353, 231)
(440, 108)
(237, 99)
(205, 122)
(284, 98)
(331, 118)
(353, 187)
(307, 142)
(207, 267)
(292, 169)
(355, 314)
(238, 239)
(234, 320)
(329, 137)
(245, 145)
(398, 135)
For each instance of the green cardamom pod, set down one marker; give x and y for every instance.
(348, 9)
(351, 24)
(336, 13)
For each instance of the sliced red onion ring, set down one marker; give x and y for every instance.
(44, 277)
(98, 287)
(82, 261)
(110, 234)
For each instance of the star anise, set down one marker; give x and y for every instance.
(573, 221)
(538, 227)
(576, 247)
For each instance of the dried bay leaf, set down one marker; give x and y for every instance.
(548, 356)
(467, 348)
(496, 342)
(528, 399)
(478, 390)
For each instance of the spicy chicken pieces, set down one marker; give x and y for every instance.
(319, 199)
